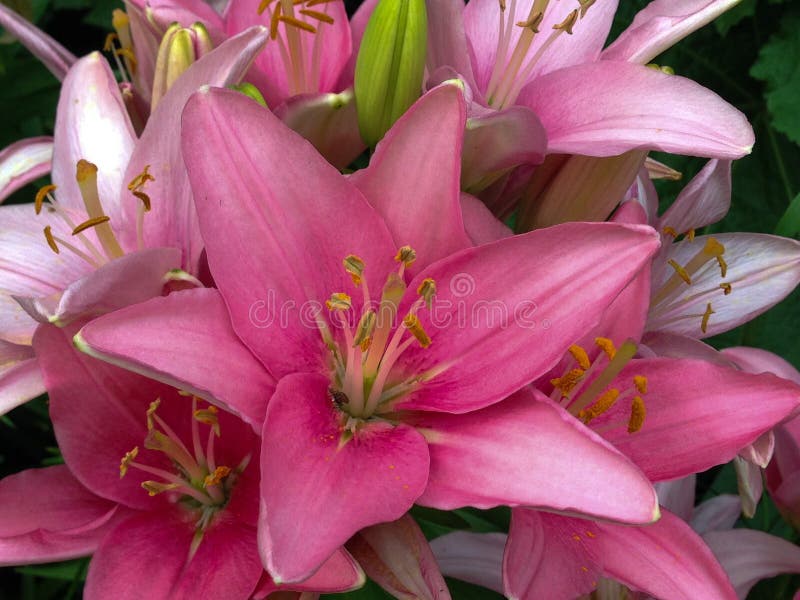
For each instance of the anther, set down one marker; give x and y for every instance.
(427, 289)
(606, 400)
(568, 381)
(274, 20)
(413, 325)
(580, 356)
(319, 16)
(154, 488)
(533, 22)
(726, 288)
(585, 6)
(151, 411)
(682, 273)
(41, 195)
(366, 326)
(142, 178)
(262, 6)
(127, 460)
(406, 255)
(689, 235)
(355, 268)
(89, 223)
(216, 477)
(208, 416)
(48, 235)
(640, 382)
(723, 266)
(502, 5)
(339, 301)
(297, 23)
(144, 198)
(108, 46)
(706, 317)
(568, 23)
(670, 231)
(638, 414)
(607, 346)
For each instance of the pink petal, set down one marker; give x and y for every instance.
(397, 556)
(671, 345)
(698, 414)
(186, 340)
(16, 326)
(757, 360)
(705, 200)
(660, 25)
(95, 430)
(762, 271)
(523, 451)
(654, 112)
(173, 220)
(19, 382)
(53, 55)
(760, 452)
(749, 556)
(482, 18)
(553, 556)
(328, 121)
(677, 495)
(750, 485)
(358, 23)
(340, 573)
(307, 470)
(185, 12)
(499, 322)
(480, 224)
(332, 43)
(154, 549)
(716, 514)
(422, 210)
(133, 278)
(498, 141)
(473, 557)
(59, 518)
(146, 38)
(447, 41)
(281, 243)
(92, 124)
(23, 162)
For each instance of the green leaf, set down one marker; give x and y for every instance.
(70, 570)
(789, 225)
(735, 16)
(778, 65)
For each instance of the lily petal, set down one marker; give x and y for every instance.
(447, 40)
(23, 162)
(328, 121)
(19, 382)
(758, 360)
(92, 123)
(130, 279)
(340, 573)
(749, 556)
(698, 414)
(598, 119)
(294, 226)
(472, 557)
(660, 25)
(53, 55)
(186, 340)
(522, 452)
(761, 270)
(422, 210)
(716, 514)
(318, 487)
(705, 200)
(59, 519)
(480, 224)
(750, 485)
(397, 556)
(525, 313)
(677, 496)
(173, 220)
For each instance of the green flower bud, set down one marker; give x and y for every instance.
(390, 65)
(180, 48)
(251, 91)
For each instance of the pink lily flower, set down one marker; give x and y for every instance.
(523, 56)
(706, 285)
(90, 243)
(23, 162)
(153, 481)
(367, 415)
(305, 72)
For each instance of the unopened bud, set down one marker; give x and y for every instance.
(390, 65)
(251, 91)
(180, 48)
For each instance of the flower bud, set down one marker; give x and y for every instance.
(180, 48)
(390, 65)
(251, 91)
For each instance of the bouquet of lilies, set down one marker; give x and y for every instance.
(319, 299)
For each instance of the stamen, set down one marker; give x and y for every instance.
(670, 231)
(606, 400)
(86, 176)
(355, 268)
(262, 6)
(411, 322)
(141, 179)
(108, 46)
(366, 325)
(427, 289)
(88, 224)
(43, 193)
(568, 23)
(585, 6)
(690, 235)
(640, 382)
(568, 381)
(638, 414)
(532, 22)
(127, 460)
(406, 255)
(319, 16)
(216, 477)
(274, 20)
(150, 412)
(580, 356)
(297, 23)
(145, 200)
(680, 271)
(607, 346)
(208, 416)
(339, 301)
(726, 288)
(712, 249)
(706, 317)
(723, 266)
(620, 358)
(156, 487)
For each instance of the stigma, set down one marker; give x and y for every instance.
(515, 61)
(585, 389)
(104, 245)
(363, 358)
(297, 26)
